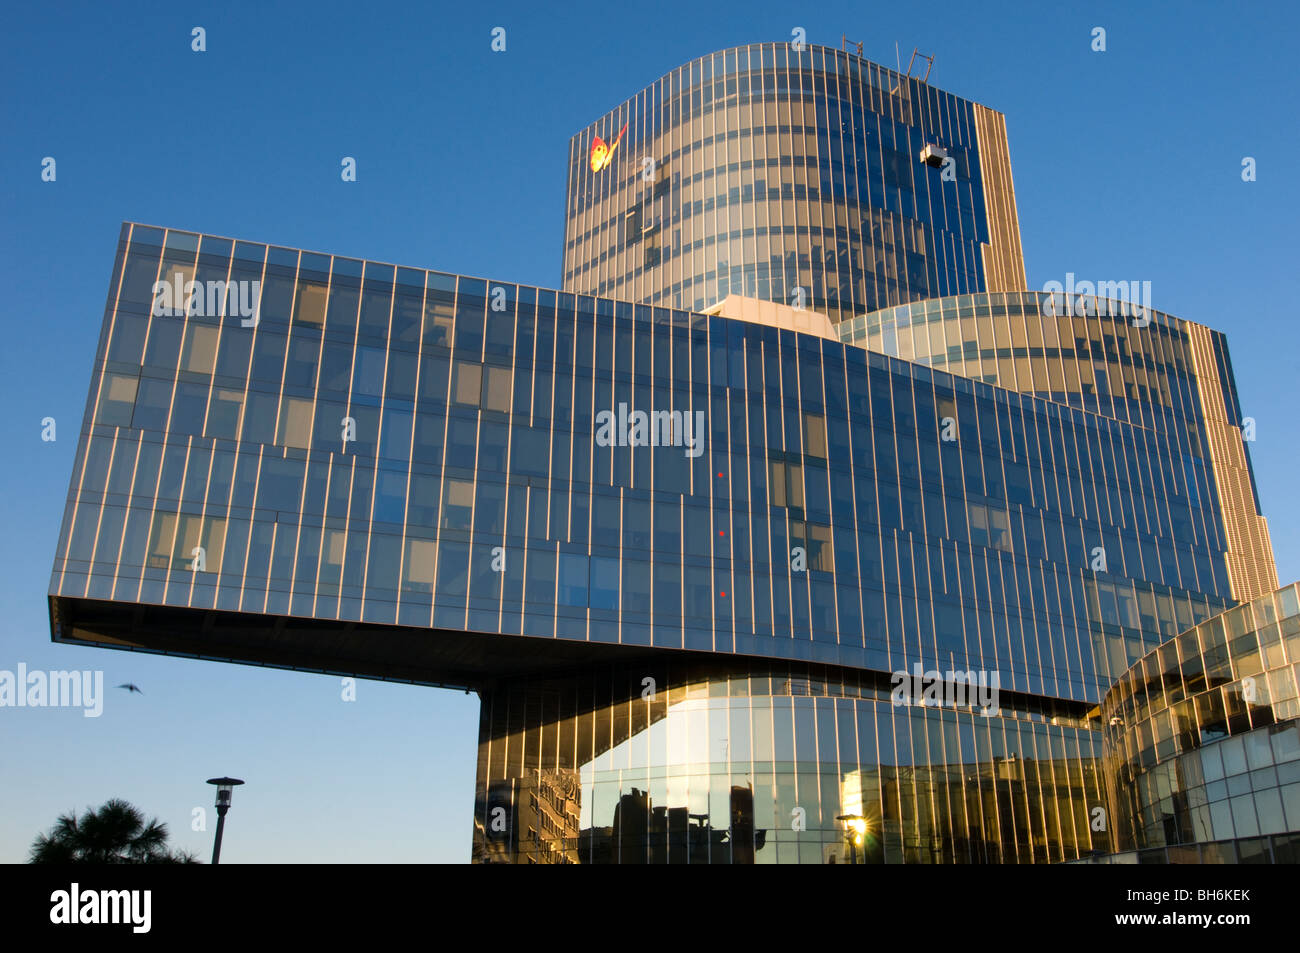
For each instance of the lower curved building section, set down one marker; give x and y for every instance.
(1202, 740)
(692, 764)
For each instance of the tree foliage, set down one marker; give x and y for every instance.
(115, 833)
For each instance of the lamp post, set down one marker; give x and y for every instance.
(856, 824)
(224, 788)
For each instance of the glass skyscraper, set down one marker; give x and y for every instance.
(796, 176)
(732, 589)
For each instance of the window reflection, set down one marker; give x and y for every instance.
(658, 772)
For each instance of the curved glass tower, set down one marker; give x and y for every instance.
(810, 177)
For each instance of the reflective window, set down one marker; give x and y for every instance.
(117, 400)
(467, 384)
(457, 504)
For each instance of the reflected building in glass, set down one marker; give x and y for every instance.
(727, 582)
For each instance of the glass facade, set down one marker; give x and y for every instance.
(742, 764)
(1278, 849)
(1155, 371)
(472, 430)
(1202, 737)
(721, 584)
(402, 473)
(794, 176)
(1091, 356)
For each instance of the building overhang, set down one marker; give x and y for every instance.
(442, 658)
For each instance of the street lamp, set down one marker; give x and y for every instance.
(856, 824)
(224, 787)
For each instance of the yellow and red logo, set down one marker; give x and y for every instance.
(602, 154)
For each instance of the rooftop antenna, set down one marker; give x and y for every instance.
(928, 58)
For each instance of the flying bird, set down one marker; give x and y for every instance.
(131, 687)
(602, 154)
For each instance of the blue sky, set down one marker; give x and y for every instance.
(1127, 165)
